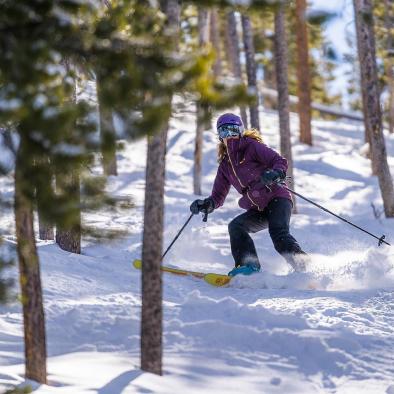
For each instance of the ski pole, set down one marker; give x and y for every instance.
(177, 236)
(381, 239)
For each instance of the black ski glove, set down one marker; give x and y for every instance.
(268, 177)
(207, 205)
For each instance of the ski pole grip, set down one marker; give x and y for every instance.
(205, 218)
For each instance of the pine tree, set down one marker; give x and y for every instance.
(151, 318)
(233, 55)
(251, 70)
(30, 281)
(45, 227)
(201, 110)
(6, 262)
(216, 42)
(152, 245)
(107, 134)
(136, 74)
(371, 102)
(303, 73)
(107, 127)
(68, 232)
(280, 45)
(384, 29)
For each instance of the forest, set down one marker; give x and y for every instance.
(128, 263)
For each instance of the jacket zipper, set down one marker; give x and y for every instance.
(247, 193)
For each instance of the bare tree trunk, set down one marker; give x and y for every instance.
(371, 101)
(152, 244)
(68, 234)
(46, 231)
(251, 70)
(152, 314)
(215, 39)
(303, 74)
(29, 273)
(363, 92)
(203, 38)
(389, 21)
(281, 62)
(233, 54)
(390, 77)
(45, 228)
(107, 135)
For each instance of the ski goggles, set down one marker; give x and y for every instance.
(229, 130)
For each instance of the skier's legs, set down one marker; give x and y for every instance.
(242, 246)
(278, 213)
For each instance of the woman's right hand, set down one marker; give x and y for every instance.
(207, 205)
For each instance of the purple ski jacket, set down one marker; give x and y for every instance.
(242, 167)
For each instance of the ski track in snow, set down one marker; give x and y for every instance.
(268, 333)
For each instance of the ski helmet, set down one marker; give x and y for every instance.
(229, 125)
(229, 118)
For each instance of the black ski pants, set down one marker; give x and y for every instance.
(276, 216)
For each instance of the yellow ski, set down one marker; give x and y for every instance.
(138, 264)
(213, 279)
(217, 279)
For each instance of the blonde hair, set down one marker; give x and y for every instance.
(252, 133)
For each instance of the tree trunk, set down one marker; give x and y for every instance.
(388, 21)
(152, 243)
(371, 101)
(151, 320)
(233, 55)
(363, 92)
(45, 228)
(29, 272)
(251, 70)
(203, 37)
(198, 150)
(68, 231)
(215, 39)
(281, 62)
(107, 135)
(303, 74)
(68, 234)
(390, 78)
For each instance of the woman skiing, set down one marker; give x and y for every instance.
(254, 170)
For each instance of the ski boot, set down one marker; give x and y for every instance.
(245, 269)
(298, 261)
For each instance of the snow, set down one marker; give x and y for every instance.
(268, 333)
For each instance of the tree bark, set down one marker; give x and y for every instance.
(68, 231)
(68, 234)
(203, 38)
(371, 100)
(152, 243)
(251, 70)
(363, 91)
(215, 39)
(233, 55)
(281, 62)
(152, 314)
(45, 228)
(303, 74)
(388, 21)
(390, 77)
(29, 272)
(107, 135)
(198, 146)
